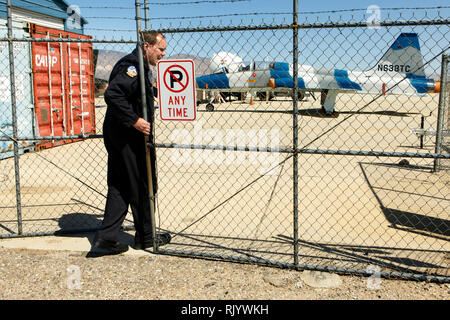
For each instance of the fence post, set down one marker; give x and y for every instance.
(151, 194)
(441, 109)
(146, 14)
(14, 117)
(295, 126)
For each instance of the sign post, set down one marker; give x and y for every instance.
(176, 90)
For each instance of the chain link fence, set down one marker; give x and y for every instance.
(263, 175)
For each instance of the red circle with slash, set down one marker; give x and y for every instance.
(171, 75)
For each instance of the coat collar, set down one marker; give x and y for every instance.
(135, 54)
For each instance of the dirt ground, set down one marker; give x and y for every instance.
(189, 190)
(69, 275)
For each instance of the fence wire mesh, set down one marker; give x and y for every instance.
(372, 174)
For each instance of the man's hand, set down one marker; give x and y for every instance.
(142, 126)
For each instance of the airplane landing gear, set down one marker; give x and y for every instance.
(324, 113)
(209, 107)
(262, 95)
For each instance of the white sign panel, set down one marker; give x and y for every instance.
(176, 90)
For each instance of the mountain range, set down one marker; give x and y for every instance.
(104, 61)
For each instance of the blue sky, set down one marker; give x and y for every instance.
(117, 16)
(342, 48)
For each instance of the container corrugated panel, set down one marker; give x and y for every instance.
(24, 98)
(63, 77)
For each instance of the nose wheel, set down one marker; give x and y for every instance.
(209, 107)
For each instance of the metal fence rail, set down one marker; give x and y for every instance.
(265, 177)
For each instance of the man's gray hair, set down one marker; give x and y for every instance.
(150, 37)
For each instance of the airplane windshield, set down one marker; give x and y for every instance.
(254, 65)
(241, 67)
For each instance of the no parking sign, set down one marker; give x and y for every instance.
(176, 90)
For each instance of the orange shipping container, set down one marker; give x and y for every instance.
(63, 85)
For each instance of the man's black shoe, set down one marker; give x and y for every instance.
(110, 246)
(161, 238)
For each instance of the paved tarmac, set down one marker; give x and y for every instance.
(351, 201)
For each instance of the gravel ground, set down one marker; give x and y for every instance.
(66, 275)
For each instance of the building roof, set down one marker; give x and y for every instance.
(53, 8)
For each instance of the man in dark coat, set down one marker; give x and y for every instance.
(124, 131)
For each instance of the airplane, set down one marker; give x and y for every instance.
(399, 71)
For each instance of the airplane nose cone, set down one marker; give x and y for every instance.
(201, 82)
(213, 81)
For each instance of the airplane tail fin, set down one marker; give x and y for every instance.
(403, 56)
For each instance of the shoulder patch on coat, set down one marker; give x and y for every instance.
(131, 71)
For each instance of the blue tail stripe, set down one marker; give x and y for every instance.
(406, 40)
(344, 81)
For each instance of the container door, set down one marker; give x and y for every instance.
(64, 84)
(80, 78)
(49, 89)
(24, 100)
